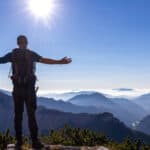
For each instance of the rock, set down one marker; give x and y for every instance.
(102, 148)
(10, 147)
(94, 148)
(61, 147)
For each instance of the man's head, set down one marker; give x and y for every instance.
(22, 41)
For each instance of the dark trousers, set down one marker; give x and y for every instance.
(25, 95)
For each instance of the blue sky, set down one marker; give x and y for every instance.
(107, 40)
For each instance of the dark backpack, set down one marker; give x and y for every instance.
(23, 67)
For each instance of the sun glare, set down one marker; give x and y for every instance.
(42, 9)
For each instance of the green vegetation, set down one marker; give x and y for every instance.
(5, 139)
(77, 137)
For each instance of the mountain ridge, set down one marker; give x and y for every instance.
(54, 119)
(125, 110)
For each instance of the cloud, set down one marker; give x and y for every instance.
(125, 93)
(124, 89)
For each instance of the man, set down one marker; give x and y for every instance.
(23, 79)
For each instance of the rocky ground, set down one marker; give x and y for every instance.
(60, 147)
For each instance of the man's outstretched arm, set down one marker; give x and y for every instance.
(64, 60)
(5, 59)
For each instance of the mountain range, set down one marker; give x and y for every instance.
(128, 111)
(93, 102)
(53, 119)
(125, 110)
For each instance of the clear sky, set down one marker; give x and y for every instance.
(108, 40)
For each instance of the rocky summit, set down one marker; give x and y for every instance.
(61, 147)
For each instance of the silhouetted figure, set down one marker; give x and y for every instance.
(23, 79)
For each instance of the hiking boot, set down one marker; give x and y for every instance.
(37, 145)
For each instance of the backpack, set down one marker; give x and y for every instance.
(23, 67)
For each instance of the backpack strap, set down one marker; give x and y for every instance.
(28, 62)
(13, 75)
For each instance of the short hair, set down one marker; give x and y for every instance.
(20, 37)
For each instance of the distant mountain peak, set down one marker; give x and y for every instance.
(145, 96)
(95, 99)
(6, 92)
(95, 95)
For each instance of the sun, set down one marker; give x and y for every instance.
(42, 9)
